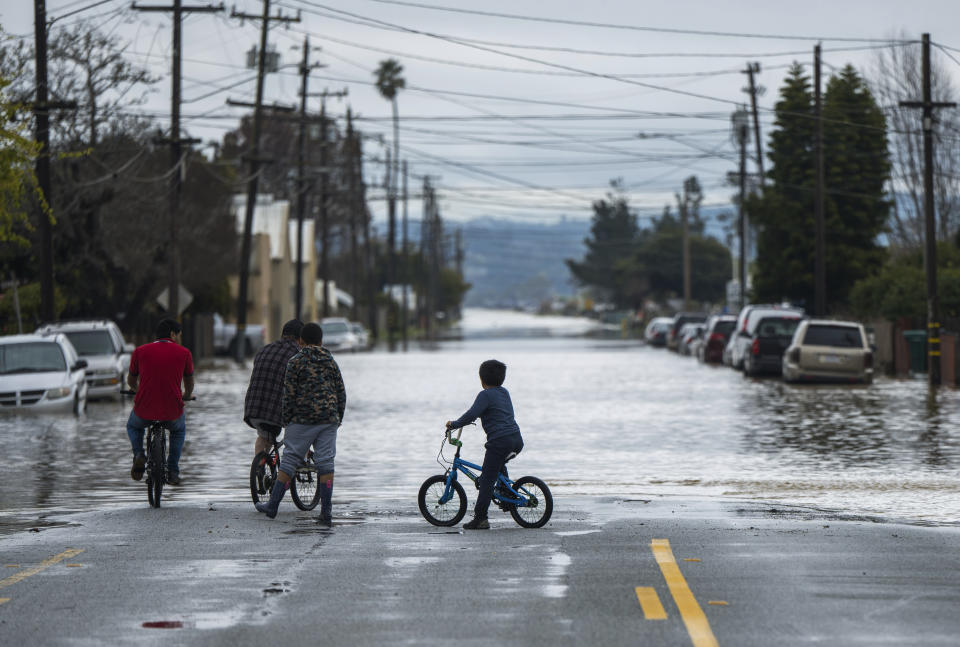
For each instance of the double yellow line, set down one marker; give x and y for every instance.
(693, 616)
(33, 570)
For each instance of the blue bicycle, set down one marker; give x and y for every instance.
(443, 501)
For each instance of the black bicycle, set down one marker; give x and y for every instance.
(156, 450)
(304, 486)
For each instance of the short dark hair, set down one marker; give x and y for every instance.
(292, 329)
(311, 333)
(493, 373)
(166, 327)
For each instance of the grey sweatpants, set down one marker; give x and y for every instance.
(298, 438)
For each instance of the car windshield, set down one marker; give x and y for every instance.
(33, 357)
(334, 328)
(724, 327)
(839, 336)
(91, 342)
(777, 327)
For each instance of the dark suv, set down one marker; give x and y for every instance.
(673, 339)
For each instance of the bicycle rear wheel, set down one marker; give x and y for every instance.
(539, 502)
(448, 513)
(305, 488)
(156, 462)
(263, 474)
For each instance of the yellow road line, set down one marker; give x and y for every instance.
(650, 603)
(2, 600)
(22, 575)
(693, 617)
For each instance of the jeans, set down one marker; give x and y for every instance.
(178, 433)
(493, 461)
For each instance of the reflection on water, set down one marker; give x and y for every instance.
(598, 417)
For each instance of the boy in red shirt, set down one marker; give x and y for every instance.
(156, 372)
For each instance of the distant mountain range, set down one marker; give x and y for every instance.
(514, 263)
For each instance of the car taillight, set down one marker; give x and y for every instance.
(868, 360)
(795, 355)
(717, 337)
(756, 347)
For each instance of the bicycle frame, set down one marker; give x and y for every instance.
(519, 499)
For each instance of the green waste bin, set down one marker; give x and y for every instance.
(917, 345)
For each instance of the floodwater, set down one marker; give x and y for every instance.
(599, 417)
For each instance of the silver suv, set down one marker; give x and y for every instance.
(101, 344)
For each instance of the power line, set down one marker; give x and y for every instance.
(666, 30)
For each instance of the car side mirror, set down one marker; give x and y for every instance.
(79, 364)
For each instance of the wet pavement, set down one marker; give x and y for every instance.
(598, 417)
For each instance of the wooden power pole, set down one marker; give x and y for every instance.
(929, 211)
(819, 263)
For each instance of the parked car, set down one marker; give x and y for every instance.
(715, 336)
(337, 335)
(673, 336)
(742, 338)
(656, 331)
(828, 351)
(224, 337)
(101, 344)
(41, 373)
(770, 338)
(360, 332)
(688, 335)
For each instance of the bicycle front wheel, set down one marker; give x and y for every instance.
(536, 510)
(263, 474)
(441, 514)
(305, 488)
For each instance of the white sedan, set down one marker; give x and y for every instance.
(42, 374)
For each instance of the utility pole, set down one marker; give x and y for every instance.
(741, 135)
(752, 69)
(930, 250)
(406, 265)
(176, 150)
(324, 191)
(354, 160)
(819, 265)
(254, 173)
(305, 68)
(684, 222)
(42, 114)
(41, 110)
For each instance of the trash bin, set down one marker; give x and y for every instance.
(917, 345)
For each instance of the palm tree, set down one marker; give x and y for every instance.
(389, 82)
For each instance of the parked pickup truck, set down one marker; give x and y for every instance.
(224, 335)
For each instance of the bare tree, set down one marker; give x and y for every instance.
(896, 76)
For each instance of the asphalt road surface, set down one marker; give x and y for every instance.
(604, 571)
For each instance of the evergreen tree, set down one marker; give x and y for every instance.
(856, 167)
(784, 217)
(613, 235)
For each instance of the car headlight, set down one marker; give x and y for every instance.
(59, 393)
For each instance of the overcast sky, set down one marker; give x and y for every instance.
(507, 123)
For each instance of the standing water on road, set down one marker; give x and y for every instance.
(599, 417)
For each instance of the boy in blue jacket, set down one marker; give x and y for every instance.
(495, 410)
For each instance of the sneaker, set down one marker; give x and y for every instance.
(173, 478)
(139, 464)
(325, 520)
(477, 524)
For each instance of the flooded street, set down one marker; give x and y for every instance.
(599, 417)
